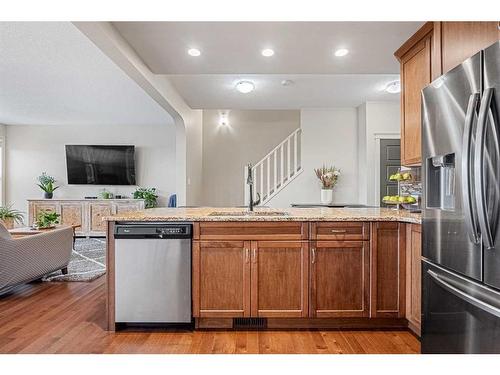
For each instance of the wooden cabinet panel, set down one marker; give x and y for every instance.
(253, 231)
(340, 231)
(36, 208)
(279, 273)
(340, 279)
(97, 212)
(415, 75)
(413, 276)
(73, 214)
(388, 247)
(221, 279)
(461, 40)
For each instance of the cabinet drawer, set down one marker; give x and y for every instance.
(253, 231)
(340, 231)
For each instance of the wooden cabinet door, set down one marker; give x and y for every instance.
(413, 276)
(415, 75)
(37, 207)
(279, 279)
(221, 279)
(97, 212)
(340, 279)
(461, 40)
(388, 246)
(72, 214)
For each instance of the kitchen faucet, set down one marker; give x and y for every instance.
(251, 202)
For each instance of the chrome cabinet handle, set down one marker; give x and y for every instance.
(254, 255)
(339, 231)
(470, 214)
(484, 221)
(247, 255)
(313, 255)
(463, 295)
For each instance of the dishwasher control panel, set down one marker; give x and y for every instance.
(153, 230)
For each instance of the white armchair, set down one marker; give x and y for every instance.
(29, 258)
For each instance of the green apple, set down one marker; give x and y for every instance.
(411, 199)
(406, 176)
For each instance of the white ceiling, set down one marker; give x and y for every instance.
(214, 91)
(300, 47)
(50, 73)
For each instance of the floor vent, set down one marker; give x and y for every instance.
(249, 323)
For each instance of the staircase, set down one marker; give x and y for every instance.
(277, 169)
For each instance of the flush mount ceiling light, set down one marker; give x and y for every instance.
(393, 87)
(245, 87)
(194, 52)
(287, 82)
(268, 52)
(341, 52)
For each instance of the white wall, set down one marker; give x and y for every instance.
(329, 136)
(377, 119)
(251, 134)
(2, 163)
(188, 122)
(34, 149)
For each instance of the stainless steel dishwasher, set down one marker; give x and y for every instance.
(153, 273)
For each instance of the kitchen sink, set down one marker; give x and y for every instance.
(248, 213)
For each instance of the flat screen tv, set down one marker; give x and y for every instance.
(100, 165)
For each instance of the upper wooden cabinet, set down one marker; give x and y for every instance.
(461, 40)
(433, 50)
(415, 58)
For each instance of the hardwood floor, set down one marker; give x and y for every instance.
(70, 318)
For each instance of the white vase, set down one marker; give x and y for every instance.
(326, 196)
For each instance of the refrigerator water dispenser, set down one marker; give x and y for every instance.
(440, 182)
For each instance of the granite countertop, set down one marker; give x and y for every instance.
(293, 214)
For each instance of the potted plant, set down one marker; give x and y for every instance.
(46, 183)
(47, 219)
(149, 195)
(328, 177)
(9, 216)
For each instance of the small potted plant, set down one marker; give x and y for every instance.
(9, 216)
(149, 195)
(47, 219)
(46, 183)
(328, 177)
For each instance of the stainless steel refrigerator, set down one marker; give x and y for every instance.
(461, 232)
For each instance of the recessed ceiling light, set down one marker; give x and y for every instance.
(194, 52)
(268, 52)
(245, 87)
(341, 52)
(393, 87)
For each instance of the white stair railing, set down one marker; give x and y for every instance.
(277, 169)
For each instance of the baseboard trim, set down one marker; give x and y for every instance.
(310, 323)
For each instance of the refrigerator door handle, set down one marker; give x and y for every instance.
(484, 221)
(470, 214)
(463, 295)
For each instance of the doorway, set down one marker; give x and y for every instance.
(390, 162)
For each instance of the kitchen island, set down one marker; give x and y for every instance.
(295, 268)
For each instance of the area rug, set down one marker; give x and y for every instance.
(88, 261)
